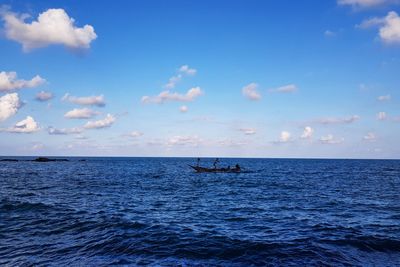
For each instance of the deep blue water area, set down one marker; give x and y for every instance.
(157, 211)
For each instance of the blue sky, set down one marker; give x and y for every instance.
(200, 78)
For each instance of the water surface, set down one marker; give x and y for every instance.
(156, 211)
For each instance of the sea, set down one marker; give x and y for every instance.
(159, 212)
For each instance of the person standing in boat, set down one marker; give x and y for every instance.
(216, 161)
(198, 162)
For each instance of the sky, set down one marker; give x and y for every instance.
(281, 79)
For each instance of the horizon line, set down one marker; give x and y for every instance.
(203, 157)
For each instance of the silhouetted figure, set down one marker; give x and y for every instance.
(237, 167)
(198, 162)
(215, 162)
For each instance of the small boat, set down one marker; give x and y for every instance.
(203, 169)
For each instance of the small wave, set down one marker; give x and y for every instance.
(7, 205)
(236, 219)
(42, 188)
(28, 194)
(368, 243)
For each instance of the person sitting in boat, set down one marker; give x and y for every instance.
(237, 168)
(215, 163)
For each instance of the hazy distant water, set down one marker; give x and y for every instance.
(156, 211)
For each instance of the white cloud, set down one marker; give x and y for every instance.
(248, 131)
(365, 3)
(329, 139)
(104, 123)
(329, 33)
(370, 137)
(250, 91)
(290, 88)
(173, 81)
(232, 143)
(43, 96)
(9, 81)
(9, 105)
(184, 140)
(165, 96)
(381, 116)
(183, 109)
(28, 125)
(80, 137)
(53, 26)
(64, 131)
(384, 98)
(390, 32)
(184, 70)
(80, 113)
(284, 137)
(307, 133)
(389, 27)
(86, 100)
(350, 119)
(372, 22)
(135, 134)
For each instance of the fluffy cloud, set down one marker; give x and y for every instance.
(43, 96)
(184, 70)
(350, 119)
(183, 109)
(329, 139)
(28, 125)
(104, 123)
(384, 98)
(390, 31)
(381, 116)
(165, 96)
(9, 105)
(86, 100)
(364, 3)
(173, 81)
(248, 131)
(53, 26)
(80, 113)
(290, 88)
(368, 23)
(370, 137)
(187, 71)
(64, 131)
(284, 137)
(389, 27)
(250, 91)
(307, 132)
(9, 81)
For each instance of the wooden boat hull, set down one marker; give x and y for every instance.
(203, 169)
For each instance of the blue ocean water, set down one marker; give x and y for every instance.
(157, 211)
